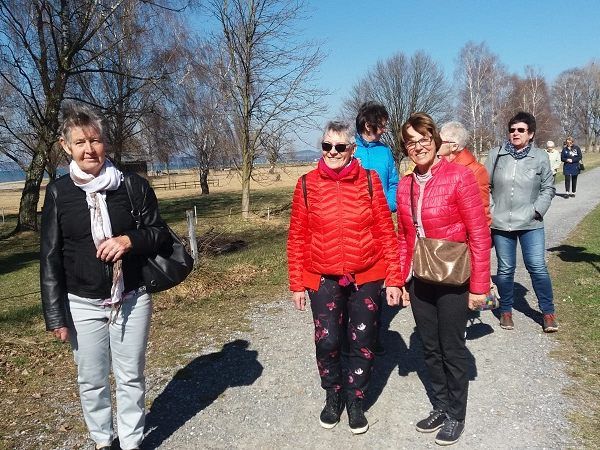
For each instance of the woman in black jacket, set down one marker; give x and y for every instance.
(571, 157)
(93, 293)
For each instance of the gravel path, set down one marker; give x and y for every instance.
(262, 389)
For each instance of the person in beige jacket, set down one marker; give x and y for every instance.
(554, 156)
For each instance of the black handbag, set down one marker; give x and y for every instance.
(170, 265)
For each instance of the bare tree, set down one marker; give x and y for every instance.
(43, 45)
(576, 101)
(530, 94)
(481, 82)
(274, 144)
(266, 73)
(403, 85)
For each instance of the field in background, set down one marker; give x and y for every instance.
(39, 406)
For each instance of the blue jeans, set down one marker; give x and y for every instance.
(533, 247)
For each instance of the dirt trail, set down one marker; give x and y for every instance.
(267, 395)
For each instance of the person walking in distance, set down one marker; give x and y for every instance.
(571, 156)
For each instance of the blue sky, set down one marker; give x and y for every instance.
(550, 35)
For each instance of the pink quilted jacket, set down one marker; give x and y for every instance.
(452, 210)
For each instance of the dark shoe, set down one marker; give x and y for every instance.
(450, 432)
(334, 405)
(550, 324)
(572, 194)
(506, 321)
(356, 417)
(433, 422)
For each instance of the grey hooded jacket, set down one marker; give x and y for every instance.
(519, 188)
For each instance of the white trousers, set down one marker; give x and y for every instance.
(96, 343)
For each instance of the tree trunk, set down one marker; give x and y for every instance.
(246, 175)
(31, 192)
(204, 182)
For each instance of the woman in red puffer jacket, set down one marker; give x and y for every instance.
(341, 249)
(447, 205)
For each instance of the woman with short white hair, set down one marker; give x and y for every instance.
(93, 292)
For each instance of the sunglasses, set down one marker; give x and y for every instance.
(340, 148)
(520, 130)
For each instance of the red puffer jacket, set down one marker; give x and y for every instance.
(451, 210)
(342, 231)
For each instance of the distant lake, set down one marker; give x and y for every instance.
(7, 176)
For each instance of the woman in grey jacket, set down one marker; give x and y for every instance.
(522, 188)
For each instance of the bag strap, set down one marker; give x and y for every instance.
(135, 212)
(304, 190)
(369, 181)
(494, 168)
(412, 204)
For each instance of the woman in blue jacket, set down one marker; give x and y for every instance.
(571, 156)
(371, 123)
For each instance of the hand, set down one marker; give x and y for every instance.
(405, 297)
(299, 300)
(392, 295)
(61, 334)
(569, 160)
(476, 301)
(113, 249)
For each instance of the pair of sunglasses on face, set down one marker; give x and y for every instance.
(520, 130)
(340, 148)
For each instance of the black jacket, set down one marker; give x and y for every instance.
(68, 262)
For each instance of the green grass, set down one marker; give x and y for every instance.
(204, 310)
(575, 269)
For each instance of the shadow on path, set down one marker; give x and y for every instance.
(569, 253)
(401, 358)
(197, 385)
(520, 304)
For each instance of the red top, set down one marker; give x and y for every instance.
(451, 210)
(343, 230)
(466, 158)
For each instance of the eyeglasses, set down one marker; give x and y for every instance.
(411, 145)
(511, 130)
(448, 142)
(340, 148)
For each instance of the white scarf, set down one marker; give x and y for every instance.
(109, 179)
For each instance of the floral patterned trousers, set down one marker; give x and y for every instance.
(346, 321)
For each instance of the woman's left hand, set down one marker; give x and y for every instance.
(476, 300)
(393, 295)
(113, 249)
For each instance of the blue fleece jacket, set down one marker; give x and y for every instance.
(378, 157)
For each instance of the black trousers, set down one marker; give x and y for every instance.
(441, 316)
(571, 183)
(345, 318)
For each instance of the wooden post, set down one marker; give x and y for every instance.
(192, 235)
(269, 213)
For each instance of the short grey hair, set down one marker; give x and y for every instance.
(456, 132)
(75, 114)
(340, 127)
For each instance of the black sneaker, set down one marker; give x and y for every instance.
(450, 432)
(334, 405)
(356, 417)
(433, 422)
